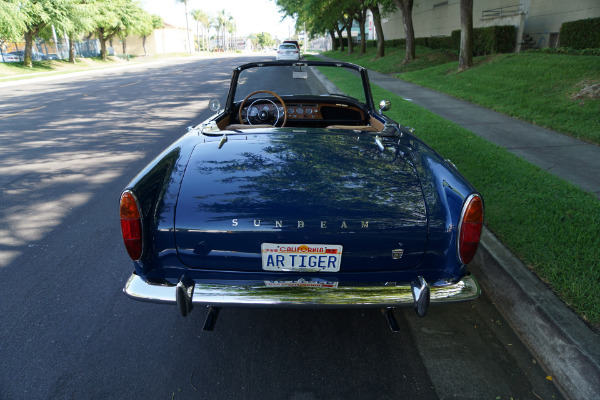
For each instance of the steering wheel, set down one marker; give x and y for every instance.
(263, 115)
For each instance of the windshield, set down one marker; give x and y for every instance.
(294, 80)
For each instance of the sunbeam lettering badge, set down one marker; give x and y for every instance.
(302, 224)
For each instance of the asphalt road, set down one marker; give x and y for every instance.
(67, 148)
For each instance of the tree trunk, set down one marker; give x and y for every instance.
(71, 49)
(465, 58)
(124, 41)
(379, 30)
(349, 34)
(340, 38)
(103, 52)
(28, 47)
(362, 18)
(406, 7)
(334, 45)
(187, 28)
(223, 37)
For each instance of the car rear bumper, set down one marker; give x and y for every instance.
(298, 295)
(291, 57)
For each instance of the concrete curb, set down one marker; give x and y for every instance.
(565, 345)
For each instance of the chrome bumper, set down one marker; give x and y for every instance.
(262, 296)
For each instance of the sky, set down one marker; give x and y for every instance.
(251, 16)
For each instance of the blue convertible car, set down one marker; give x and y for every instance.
(295, 194)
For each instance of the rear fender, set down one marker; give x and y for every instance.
(156, 188)
(445, 191)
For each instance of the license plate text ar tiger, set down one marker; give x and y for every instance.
(301, 257)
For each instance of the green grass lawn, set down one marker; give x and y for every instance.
(16, 70)
(550, 224)
(533, 87)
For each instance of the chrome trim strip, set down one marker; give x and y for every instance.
(379, 143)
(223, 140)
(260, 296)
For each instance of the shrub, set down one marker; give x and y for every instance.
(581, 34)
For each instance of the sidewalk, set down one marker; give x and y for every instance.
(565, 345)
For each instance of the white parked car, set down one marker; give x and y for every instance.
(287, 51)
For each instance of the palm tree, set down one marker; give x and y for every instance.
(202, 20)
(187, 26)
(231, 28)
(222, 18)
(212, 23)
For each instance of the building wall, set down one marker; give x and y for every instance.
(545, 17)
(162, 41)
(171, 40)
(539, 18)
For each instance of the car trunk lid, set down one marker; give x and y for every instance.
(300, 189)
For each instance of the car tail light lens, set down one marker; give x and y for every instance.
(131, 225)
(469, 228)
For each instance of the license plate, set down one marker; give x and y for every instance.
(301, 257)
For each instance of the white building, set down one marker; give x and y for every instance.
(538, 19)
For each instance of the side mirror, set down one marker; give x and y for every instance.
(214, 105)
(384, 105)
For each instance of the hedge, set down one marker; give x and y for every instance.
(494, 39)
(395, 43)
(581, 34)
(490, 40)
(440, 42)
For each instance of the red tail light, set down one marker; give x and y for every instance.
(131, 225)
(469, 228)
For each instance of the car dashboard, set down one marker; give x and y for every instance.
(310, 112)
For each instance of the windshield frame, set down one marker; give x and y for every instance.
(229, 106)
